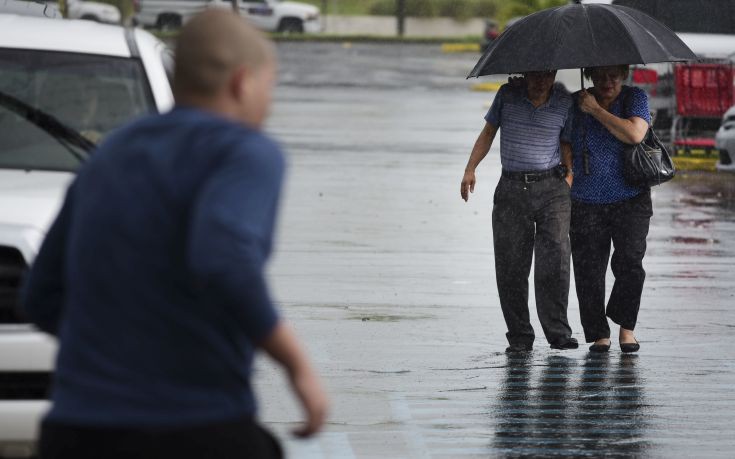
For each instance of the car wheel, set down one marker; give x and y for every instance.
(168, 22)
(291, 25)
(90, 17)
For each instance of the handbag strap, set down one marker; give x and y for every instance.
(627, 98)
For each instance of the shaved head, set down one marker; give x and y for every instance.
(211, 47)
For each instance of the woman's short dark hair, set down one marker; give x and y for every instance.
(624, 69)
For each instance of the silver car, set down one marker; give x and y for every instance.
(725, 141)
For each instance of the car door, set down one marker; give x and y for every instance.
(261, 13)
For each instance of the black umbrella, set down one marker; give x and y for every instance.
(576, 36)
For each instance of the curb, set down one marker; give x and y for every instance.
(460, 47)
(688, 163)
(490, 86)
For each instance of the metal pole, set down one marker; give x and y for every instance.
(401, 16)
(585, 150)
(236, 6)
(581, 77)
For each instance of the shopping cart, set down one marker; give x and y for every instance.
(703, 92)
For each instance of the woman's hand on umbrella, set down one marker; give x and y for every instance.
(587, 102)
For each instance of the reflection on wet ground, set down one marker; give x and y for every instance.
(559, 409)
(389, 278)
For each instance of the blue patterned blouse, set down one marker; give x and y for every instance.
(605, 184)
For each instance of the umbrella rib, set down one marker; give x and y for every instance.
(558, 34)
(589, 27)
(650, 34)
(628, 35)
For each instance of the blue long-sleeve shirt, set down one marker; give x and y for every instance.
(152, 274)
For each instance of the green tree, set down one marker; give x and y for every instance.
(516, 8)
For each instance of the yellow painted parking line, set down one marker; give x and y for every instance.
(491, 86)
(460, 47)
(689, 163)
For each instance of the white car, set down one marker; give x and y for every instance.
(62, 85)
(92, 11)
(725, 141)
(267, 15)
(76, 9)
(28, 8)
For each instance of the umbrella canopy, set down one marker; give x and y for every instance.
(576, 36)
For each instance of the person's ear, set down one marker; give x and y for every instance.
(238, 84)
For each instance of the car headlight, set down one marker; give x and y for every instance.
(312, 17)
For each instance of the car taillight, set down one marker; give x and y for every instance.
(492, 34)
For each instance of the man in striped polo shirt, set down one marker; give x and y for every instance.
(531, 204)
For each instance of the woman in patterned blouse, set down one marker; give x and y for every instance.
(606, 211)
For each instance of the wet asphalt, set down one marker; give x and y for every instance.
(388, 278)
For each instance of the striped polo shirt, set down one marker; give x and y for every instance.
(529, 136)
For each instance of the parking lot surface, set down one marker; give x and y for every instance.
(388, 277)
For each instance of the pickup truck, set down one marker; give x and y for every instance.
(267, 15)
(65, 83)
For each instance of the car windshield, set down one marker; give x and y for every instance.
(88, 93)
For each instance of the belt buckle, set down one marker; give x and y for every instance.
(526, 180)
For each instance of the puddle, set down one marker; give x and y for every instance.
(693, 240)
(387, 317)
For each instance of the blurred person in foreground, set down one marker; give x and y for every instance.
(606, 211)
(152, 274)
(531, 205)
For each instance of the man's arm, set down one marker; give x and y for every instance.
(283, 347)
(566, 160)
(230, 229)
(479, 151)
(43, 292)
(230, 234)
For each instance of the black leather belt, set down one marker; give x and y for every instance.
(530, 177)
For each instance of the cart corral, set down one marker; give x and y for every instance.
(690, 99)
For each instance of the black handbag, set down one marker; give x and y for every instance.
(647, 163)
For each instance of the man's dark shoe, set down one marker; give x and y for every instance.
(569, 343)
(518, 348)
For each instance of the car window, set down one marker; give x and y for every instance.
(91, 94)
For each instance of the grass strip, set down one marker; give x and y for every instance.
(470, 41)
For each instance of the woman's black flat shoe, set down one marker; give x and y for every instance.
(630, 347)
(600, 347)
